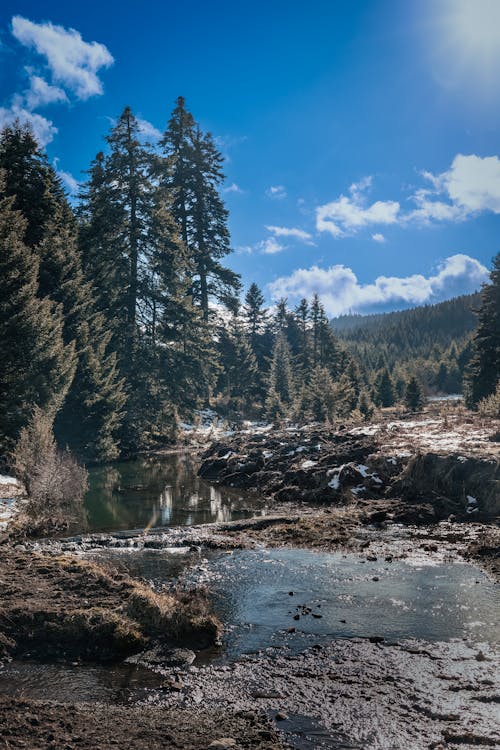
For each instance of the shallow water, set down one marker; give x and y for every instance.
(122, 683)
(251, 591)
(158, 492)
(261, 593)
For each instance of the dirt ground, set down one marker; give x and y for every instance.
(36, 725)
(62, 607)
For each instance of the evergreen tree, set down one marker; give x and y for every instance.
(91, 414)
(36, 368)
(239, 365)
(484, 368)
(281, 382)
(103, 248)
(128, 169)
(384, 389)
(321, 394)
(365, 405)
(302, 315)
(255, 314)
(414, 395)
(193, 172)
(29, 178)
(343, 396)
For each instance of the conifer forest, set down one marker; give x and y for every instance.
(121, 317)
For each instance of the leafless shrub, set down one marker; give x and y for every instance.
(54, 480)
(490, 406)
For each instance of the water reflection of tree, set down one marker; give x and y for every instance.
(164, 491)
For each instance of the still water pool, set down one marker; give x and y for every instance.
(158, 492)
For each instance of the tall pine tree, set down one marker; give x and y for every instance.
(484, 368)
(36, 368)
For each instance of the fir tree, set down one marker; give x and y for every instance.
(384, 389)
(321, 393)
(30, 179)
(302, 315)
(193, 172)
(484, 368)
(103, 247)
(239, 365)
(281, 382)
(414, 395)
(36, 368)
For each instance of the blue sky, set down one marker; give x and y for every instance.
(362, 138)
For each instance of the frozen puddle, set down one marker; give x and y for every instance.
(296, 598)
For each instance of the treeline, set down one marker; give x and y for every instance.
(432, 343)
(120, 316)
(105, 310)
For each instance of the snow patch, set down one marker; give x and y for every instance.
(5, 479)
(308, 464)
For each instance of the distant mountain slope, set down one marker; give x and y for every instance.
(420, 340)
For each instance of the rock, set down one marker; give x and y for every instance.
(376, 638)
(281, 716)
(176, 685)
(372, 558)
(375, 578)
(296, 617)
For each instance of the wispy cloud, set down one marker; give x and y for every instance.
(70, 183)
(276, 192)
(148, 130)
(470, 186)
(348, 214)
(270, 246)
(233, 188)
(294, 232)
(341, 292)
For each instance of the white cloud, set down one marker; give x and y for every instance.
(41, 93)
(348, 214)
(270, 246)
(233, 188)
(70, 182)
(277, 192)
(148, 130)
(471, 185)
(341, 292)
(474, 182)
(294, 232)
(43, 129)
(71, 61)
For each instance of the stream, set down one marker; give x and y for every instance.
(270, 600)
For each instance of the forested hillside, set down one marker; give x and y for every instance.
(432, 342)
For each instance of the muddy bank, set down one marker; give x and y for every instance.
(56, 607)
(358, 694)
(37, 725)
(375, 471)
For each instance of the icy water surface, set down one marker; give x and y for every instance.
(158, 492)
